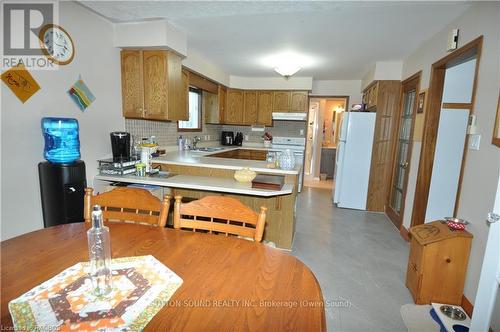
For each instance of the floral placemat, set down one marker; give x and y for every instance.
(141, 287)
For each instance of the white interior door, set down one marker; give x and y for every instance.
(490, 273)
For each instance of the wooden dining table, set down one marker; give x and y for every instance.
(242, 285)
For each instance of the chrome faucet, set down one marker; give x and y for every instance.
(196, 139)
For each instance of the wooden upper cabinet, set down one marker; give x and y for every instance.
(370, 95)
(184, 102)
(265, 108)
(222, 103)
(155, 85)
(250, 109)
(210, 105)
(235, 105)
(132, 89)
(299, 101)
(152, 82)
(281, 102)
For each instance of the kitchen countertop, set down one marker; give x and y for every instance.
(208, 183)
(203, 159)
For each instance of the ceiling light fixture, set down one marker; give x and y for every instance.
(287, 70)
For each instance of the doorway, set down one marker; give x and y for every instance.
(402, 155)
(444, 147)
(322, 137)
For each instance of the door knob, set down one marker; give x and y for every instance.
(404, 165)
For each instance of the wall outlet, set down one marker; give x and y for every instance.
(301, 132)
(474, 141)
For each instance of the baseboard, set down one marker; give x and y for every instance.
(404, 233)
(468, 307)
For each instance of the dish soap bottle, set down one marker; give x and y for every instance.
(99, 254)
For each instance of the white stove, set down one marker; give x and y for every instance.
(295, 144)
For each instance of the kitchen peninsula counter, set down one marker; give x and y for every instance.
(205, 159)
(193, 175)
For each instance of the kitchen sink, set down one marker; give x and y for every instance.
(208, 149)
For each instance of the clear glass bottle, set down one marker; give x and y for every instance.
(99, 254)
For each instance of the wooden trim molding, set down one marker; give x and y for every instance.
(496, 134)
(404, 233)
(468, 307)
(431, 125)
(457, 106)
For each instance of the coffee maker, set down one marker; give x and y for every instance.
(120, 145)
(227, 138)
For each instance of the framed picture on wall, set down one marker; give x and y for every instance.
(496, 130)
(421, 102)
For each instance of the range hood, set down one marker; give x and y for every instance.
(299, 116)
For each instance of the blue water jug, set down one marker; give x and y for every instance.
(62, 144)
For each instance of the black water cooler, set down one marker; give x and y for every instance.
(62, 188)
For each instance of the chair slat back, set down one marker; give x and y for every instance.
(220, 214)
(128, 205)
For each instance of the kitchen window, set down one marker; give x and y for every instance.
(194, 122)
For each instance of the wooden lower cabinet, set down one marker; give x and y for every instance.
(280, 220)
(437, 264)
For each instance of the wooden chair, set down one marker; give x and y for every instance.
(220, 214)
(128, 205)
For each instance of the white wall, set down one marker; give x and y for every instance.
(447, 164)
(351, 88)
(383, 70)
(22, 142)
(204, 67)
(482, 166)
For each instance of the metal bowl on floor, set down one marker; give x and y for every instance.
(453, 312)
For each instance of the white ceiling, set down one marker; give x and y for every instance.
(339, 40)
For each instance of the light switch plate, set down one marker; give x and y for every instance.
(474, 142)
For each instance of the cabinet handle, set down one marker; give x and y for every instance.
(448, 260)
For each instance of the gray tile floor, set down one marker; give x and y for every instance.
(358, 257)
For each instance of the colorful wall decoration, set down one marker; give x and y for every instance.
(20, 82)
(81, 94)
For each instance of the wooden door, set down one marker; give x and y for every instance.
(222, 103)
(383, 144)
(155, 85)
(132, 84)
(234, 114)
(299, 101)
(265, 108)
(250, 109)
(281, 102)
(402, 155)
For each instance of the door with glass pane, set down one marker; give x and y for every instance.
(402, 156)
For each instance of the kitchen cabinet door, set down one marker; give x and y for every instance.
(299, 101)
(211, 107)
(184, 101)
(177, 109)
(235, 105)
(132, 84)
(281, 102)
(250, 109)
(265, 108)
(155, 85)
(222, 102)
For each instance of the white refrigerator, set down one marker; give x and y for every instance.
(354, 153)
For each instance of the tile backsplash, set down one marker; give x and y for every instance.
(166, 132)
(280, 128)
